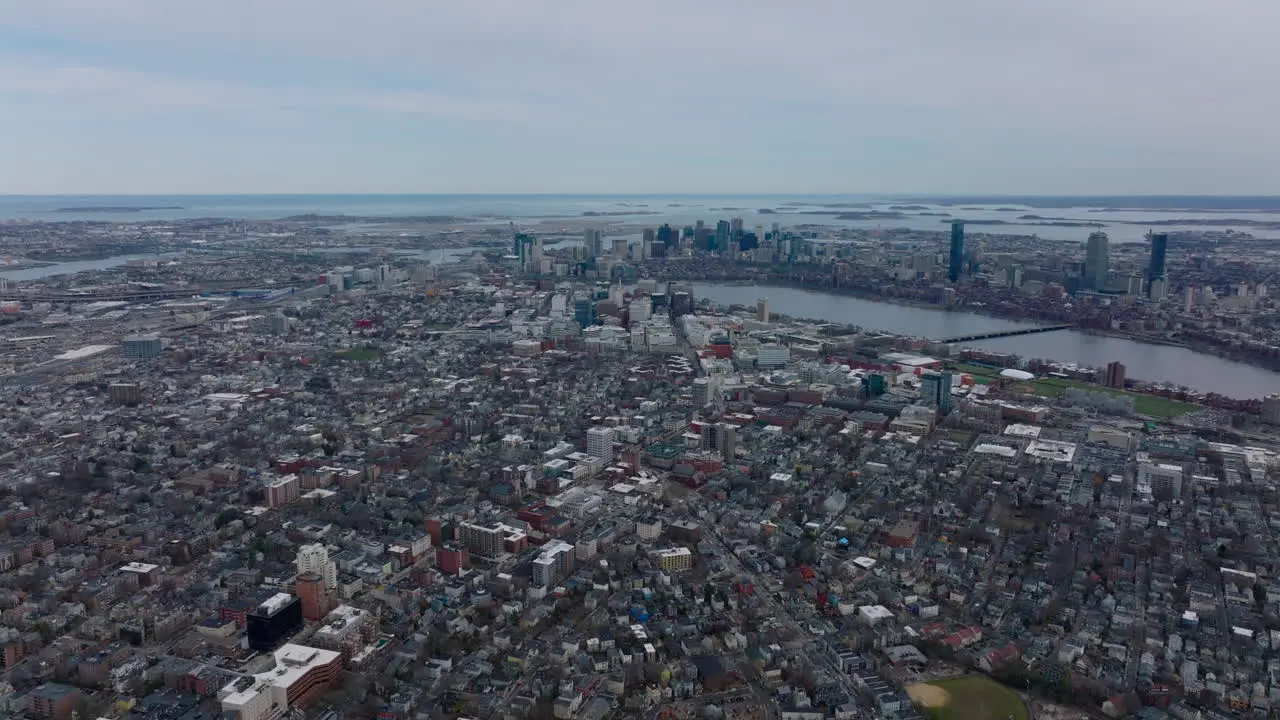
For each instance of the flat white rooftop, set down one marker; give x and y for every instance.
(87, 351)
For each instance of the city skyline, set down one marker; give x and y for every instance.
(145, 97)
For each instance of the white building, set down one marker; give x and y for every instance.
(315, 559)
(555, 561)
(600, 443)
(1159, 477)
(772, 356)
(640, 309)
(300, 674)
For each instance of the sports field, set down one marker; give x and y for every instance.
(968, 698)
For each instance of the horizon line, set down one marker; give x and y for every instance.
(902, 195)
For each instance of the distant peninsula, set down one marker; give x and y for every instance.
(116, 208)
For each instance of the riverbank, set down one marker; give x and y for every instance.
(1164, 367)
(869, 295)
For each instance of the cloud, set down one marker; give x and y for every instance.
(1011, 86)
(130, 90)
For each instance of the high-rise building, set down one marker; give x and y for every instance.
(935, 391)
(1163, 479)
(314, 558)
(584, 311)
(762, 309)
(681, 304)
(1115, 375)
(1097, 258)
(721, 243)
(313, 595)
(706, 390)
(600, 443)
(1159, 249)
(593, 242)
(283, 491)
(726, 436)
(955, 259)
(667, 241)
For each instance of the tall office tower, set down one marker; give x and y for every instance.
(620, 248)
(935, 391)
(1114, 377)
(1159, 249)
(956, 258)
(600, 443)
(668, 239)
(722, 237)
(315, 559)
(585, 312)
(681, 304)
(646, 243)
(1096, 260)
(784, 247)
(593, 242)
(735, 228)
(762, 309)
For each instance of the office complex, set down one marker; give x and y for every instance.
(955, 260)
(300, 675)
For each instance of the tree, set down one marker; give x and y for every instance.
(225, 517)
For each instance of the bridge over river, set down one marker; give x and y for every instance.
(1006, 333)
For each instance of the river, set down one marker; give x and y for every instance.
(75, 266)
(1161, 363)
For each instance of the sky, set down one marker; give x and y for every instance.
(659, 96)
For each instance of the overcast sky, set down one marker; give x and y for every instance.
(665, 96)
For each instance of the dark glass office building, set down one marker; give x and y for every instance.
(270, 623)
(1159, 248)
(956, 259)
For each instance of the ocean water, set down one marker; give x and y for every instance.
(1125, 219)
